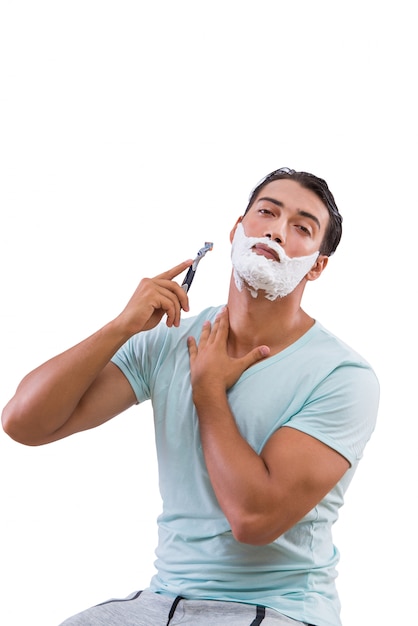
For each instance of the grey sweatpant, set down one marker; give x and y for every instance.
(150, 609)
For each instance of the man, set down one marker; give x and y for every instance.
(261, 417)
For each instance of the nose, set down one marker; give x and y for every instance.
(278, 236)
(277, 229)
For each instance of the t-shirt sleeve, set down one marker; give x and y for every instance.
(341, 411)
(138, 359)
(129, 363)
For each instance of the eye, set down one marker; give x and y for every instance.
(265, 212)
(304, 229)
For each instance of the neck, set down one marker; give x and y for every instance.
(257, 321)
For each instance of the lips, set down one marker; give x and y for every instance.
(265, 250)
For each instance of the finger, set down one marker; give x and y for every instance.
(205, 334)
(173, 311)
(166, 278)
(221, 325)
(171, 290)
(167, 302)
(192, 346)
(255, 355)
(175, 271)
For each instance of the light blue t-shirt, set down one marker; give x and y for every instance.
(317, 385)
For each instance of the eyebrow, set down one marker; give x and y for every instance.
(300, 211)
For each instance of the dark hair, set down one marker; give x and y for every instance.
(333, 233)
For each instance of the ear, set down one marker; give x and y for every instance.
(320, 264)
(232, 233)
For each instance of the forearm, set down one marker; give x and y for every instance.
(265, 494)
(49, 395)
(239, 476)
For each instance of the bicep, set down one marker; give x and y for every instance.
(109, 395)
(302, 470)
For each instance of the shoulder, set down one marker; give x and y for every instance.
(333, 350)
(340, 370)
(343, 398)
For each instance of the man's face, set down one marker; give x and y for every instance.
(277, 242)
(290, 214)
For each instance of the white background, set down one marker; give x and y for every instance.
(132, 132)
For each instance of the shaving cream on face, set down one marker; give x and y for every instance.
(258, 273)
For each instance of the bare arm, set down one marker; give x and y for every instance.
(80, 388)
(262, 495)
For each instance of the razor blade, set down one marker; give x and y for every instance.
(192, 269)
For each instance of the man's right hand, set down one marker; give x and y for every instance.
(153, 298)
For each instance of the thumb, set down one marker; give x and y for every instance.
(255, 355)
